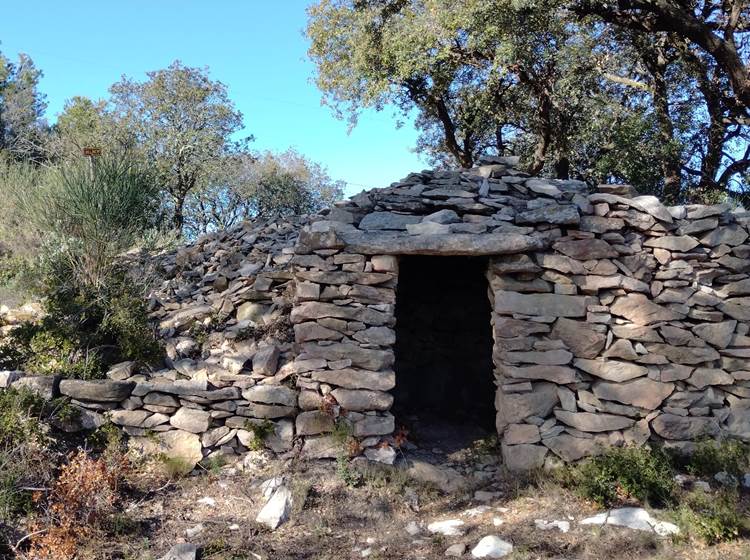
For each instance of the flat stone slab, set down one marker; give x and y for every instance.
(373, 243)
(100, 390)
(633, 518)
(540, 304)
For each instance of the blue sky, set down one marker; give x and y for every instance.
(256, 47)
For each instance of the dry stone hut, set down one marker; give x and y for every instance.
(567, 319)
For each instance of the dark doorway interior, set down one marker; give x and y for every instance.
(444, 343)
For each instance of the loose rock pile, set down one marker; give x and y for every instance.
(616, 320)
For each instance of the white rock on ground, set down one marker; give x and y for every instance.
(492, 546)
(633, 518)
(448, 527)
(185, 551)
(563, 526)
(277, 509)
(475, 511)
(413, 528)
(385, 455)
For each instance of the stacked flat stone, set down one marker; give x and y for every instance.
(616, 320)
(222, 313)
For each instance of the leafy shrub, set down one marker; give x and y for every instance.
(20, 418)
(711, 457)
(639, 473)
(260, 431)
(91, 212)
(24, 457)
(712, 518)
(83, 332)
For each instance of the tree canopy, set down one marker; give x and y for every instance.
(575, 89)
(22, 127)
(182, 122)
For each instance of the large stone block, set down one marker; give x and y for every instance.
(175, 444)
(672, 426)
(590, 422)
(641, 311)
(611, 370)
(101, 390)
(46, 387)
(579, 337)
(523, 457)
(365, 358)
(570, 448)
(313, 423)
(515, 407)
(271, 394)
(585, 249)
(351, 378)
(362, 400)
(540, 304)
(642, 392)
(191, 420)
(377, 243)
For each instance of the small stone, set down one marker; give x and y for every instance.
(456, 550)
(563, 526)
(265, 360)
(491, 546)
(448, 527)
(385, 455)
(277, 509)
(184, 551)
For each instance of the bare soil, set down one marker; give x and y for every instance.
(362, 511)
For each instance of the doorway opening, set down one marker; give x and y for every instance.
(444, 373)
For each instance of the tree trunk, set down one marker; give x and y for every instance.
(545, 136)
(562, 168)
(178, 219)
(653, 54)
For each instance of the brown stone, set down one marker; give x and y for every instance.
(641, 311)
(642, 392)
(611, 370)
(585, 249)
(579, 337)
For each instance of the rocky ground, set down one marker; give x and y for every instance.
(445, 505)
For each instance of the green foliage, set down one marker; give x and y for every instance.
(570, 94)
(264, 185)
(181, 123)
(89, 213)
(260, 431)
(24, 460)
(20, 413)
(639, 473)
(712, 518)
(711, 457)
(107, 438)
(83, 332)
(213, 464)
(351, 477)
(22, 128)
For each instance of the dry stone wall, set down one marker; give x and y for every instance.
(615, 319)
